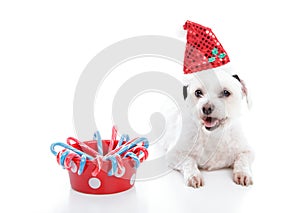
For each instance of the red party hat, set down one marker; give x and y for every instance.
(203, 50)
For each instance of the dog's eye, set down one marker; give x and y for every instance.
(198, 93)
(226, 93)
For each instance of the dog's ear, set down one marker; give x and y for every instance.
(185, 92)
(236, 77)
(244, 90)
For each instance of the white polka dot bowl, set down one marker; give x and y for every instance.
(101, 166)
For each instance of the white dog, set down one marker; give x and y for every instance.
(211, 136)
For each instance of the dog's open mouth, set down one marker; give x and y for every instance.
(211, 123)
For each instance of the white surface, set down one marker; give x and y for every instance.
(44, 46)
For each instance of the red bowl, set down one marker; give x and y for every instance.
(101, 183)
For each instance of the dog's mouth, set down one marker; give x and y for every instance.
(211, 123)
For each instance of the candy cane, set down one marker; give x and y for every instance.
(73, 142)
(140, 150)
(113, 165)
(68, 160)
(99, 142)
(113, 138)
(121, 168)
(99, 162)
(78, 144)
(82, 164)
(134, 157)
(116, 164)
(58, 157)
(62, 158)
(62, 155)
(134, 143)
(52, 148)
(124, 149)
(128, 145)
(124, 138)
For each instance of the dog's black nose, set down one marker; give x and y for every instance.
(207, 109)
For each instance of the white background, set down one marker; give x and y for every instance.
(45, 46)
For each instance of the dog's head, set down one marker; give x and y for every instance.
(215, 97)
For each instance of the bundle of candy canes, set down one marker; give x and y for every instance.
(92, 163)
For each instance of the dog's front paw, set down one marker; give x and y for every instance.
(242, 178)
(195, 180)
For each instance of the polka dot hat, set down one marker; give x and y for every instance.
(203, 50)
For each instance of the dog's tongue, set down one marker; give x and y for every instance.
(211, 122)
